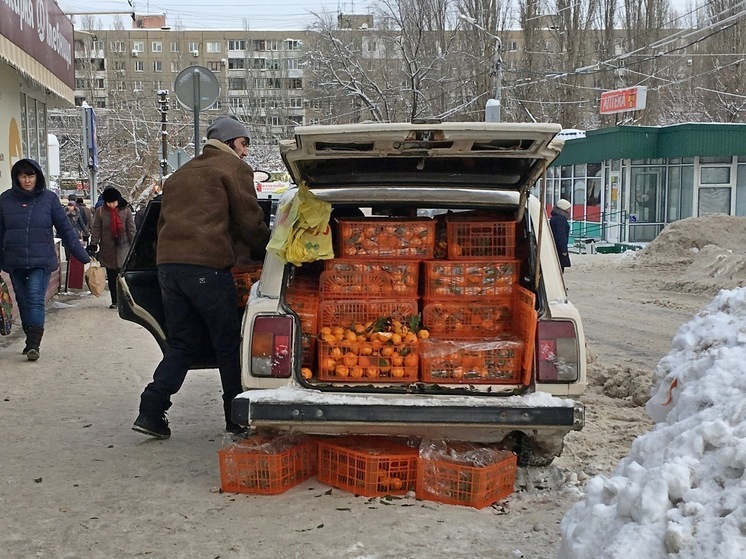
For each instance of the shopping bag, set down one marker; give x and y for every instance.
(6, 309)
(95, 277)
(302, 232)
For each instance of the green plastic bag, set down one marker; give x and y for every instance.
(302, 233)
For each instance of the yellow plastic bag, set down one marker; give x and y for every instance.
(302, 233)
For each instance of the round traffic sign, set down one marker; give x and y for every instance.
(196, 87)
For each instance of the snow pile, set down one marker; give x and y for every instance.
(682, 489)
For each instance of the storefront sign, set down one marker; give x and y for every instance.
(623, 100)
(42, 30)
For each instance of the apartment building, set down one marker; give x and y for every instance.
(259, 72)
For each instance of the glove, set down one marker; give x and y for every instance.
(92, 250)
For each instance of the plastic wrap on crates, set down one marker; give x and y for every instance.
(471, 453)
(472, 361)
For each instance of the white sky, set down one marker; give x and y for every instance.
(681, 491)
(229, 14)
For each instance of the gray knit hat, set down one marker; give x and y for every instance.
(226, 128)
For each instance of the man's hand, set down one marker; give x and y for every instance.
(92, 250)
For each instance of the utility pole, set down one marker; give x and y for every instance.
(163, 108)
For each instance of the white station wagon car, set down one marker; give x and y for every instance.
(443, 312)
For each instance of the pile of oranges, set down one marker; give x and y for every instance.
(386, 349)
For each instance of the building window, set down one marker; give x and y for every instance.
(237, 83)
(273, 83)
(296, 103)
(79, 83)
(121, 86)
(295, 83)
(273, 45)
(213, 66)
(273, 64)
(236, 64)
(119, 65)
(99, 83)
(174, 66)
(156, 46)
(100, 103)
(138, 85)
(213, 47)
(237, 45)
(158, 85)
(138, 46)
(275, 121)
(258, 63)
(174, 46)
(157, 66)
(139, 66)
(117, 46)
(259, 45)
(292, 63)
(193, 47)
(293, 45)
(237, 102)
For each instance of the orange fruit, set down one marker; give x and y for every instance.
(385, 336)
(397, 360)
(457, 373)
(423, 334)
(387, 351)
(330, 364)
(356, 371)
(371, 372)
(336, 353)
(397, 372)
(396, 338)
(409, 338)
(349, 359)
(410, 360)
(329, 338)
(366, 349)
(325, 331)
(358, 328)
(306, 373)
(342, 371)
(350, 336)
(337, 330)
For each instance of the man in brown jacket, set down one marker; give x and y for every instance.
(208, 205)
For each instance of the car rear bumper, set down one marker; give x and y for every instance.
(482, 418)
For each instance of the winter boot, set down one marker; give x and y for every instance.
(152, 418)
(25, 331)
(33, 342)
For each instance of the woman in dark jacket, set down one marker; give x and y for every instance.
(561, 230)
(112, 234)
(28, 211)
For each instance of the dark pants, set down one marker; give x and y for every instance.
(196, 299)
(111, 279)
(30, 287)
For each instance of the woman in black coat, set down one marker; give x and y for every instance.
(28, 212)
(561, 230)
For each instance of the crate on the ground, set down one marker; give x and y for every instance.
(346, 313)
(369, 466)
(472, 278)
(473, 361)
(480, 238)
(244, 277)
(465, 474)
(386, 238)
(403, 273)
(263, 466)
(368, 362)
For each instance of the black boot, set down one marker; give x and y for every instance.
(25, 349)
(33, 342)
(152, 417)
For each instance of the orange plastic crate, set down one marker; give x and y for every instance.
(477, 361)
(468, 317)
(351, 363)
(367, 466)
(442, 479)
(245, 277)
(480, 239)
(306, 306)
(401, 272)
(346, 313)
(386, 238)
(363, 285)
(260, 466)
(473, 278)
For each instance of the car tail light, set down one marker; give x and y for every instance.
(558, 351)
(271, 341)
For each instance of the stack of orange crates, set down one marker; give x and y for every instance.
(303, 298)
(376, 276)
(470, 300)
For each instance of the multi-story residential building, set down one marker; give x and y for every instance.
(258, 72)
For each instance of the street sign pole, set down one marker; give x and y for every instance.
(196, 89)
(195, 82)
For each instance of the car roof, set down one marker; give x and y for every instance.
(481, 155)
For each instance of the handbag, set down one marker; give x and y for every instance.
(95, 277)
(6, 309)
